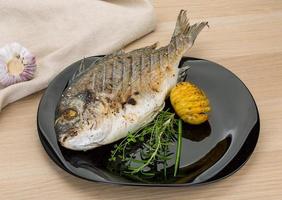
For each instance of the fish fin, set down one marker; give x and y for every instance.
(153, 46)
(116, 53)
(183, 27)
(112, 55)
(81, 69)
(183, 73)
(146, 49)
(181, 23)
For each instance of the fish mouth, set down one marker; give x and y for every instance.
(82, 140)
(77, 145)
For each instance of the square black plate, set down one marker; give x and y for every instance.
(233, 130)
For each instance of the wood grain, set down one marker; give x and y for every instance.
(246, 37)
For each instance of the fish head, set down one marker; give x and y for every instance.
(68, 116)
(77, 125)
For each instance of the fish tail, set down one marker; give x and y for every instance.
(183, 28)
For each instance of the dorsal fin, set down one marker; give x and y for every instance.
(150, 47)
(147, 49)
(115, 53)
(79, 71)
(153, 46)
(118, 52)
(82, 68)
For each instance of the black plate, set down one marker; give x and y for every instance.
(215, 150)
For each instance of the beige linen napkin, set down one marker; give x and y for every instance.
(59, 32)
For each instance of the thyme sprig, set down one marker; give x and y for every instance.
(154, 140)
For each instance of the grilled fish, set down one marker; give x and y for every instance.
(121, 92)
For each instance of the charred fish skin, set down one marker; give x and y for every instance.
(122, 91)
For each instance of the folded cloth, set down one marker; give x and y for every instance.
(61, 32)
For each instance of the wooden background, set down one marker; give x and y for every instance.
(246, 37)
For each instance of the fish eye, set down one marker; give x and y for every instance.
(70, 114)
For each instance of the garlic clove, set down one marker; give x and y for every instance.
(17, 64)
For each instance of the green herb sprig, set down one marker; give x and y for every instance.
(179, 147)
(155, 139)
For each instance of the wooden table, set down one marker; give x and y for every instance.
(246, 37)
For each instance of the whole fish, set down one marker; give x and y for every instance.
(121, 92)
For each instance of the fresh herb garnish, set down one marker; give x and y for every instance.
(179, 146)
(147, 148)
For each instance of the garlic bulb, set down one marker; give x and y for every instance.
(17, 64)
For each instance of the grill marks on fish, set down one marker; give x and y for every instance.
(129, 71)
(140, 68)
(130, 75)
(104, 77)
(127, 75)
(124, 78)
(93, 80)
(116, 78)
